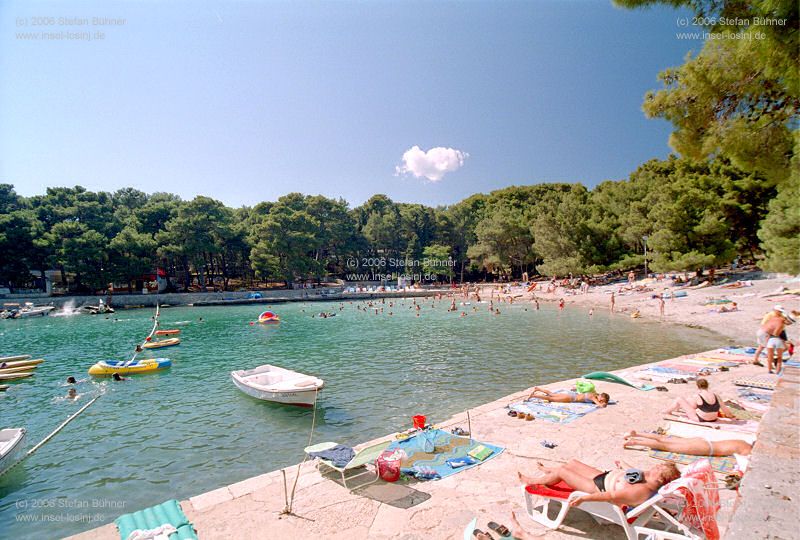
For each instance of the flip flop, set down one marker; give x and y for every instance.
(480, 535)
(502, 530)
(512, 413)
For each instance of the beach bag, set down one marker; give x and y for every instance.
(388, 464)
(584, 387)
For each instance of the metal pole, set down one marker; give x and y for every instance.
(645, 259)
(644, 238)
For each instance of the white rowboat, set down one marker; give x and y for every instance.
(272, 383)
(11, 441)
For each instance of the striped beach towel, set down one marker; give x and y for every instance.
(725, 465)
(767, 382)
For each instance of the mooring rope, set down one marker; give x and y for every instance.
(52, 434)
(288, 508)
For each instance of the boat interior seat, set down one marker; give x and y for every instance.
(267, 378)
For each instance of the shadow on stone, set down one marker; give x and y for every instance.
(397, 495)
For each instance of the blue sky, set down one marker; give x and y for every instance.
(247, 101)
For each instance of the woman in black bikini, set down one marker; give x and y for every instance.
(705, 407)
(619, 486)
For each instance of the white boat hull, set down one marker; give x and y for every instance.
(291, 389)
(11, 443)
(33, 312)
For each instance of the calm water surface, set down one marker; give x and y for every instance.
(187, 430)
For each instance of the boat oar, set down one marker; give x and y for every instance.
(54, 432)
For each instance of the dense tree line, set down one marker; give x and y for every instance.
(695, 214)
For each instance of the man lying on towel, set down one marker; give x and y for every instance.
(621, 486)
(694, 446)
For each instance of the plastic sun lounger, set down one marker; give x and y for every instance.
(637, 521)
(362, 458)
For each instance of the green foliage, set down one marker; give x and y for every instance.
(436, 261)
(739, 99)
(285, 242)
(133, 254)
(80, 250)
(780, 231)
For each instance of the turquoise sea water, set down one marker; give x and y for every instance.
(188, 430)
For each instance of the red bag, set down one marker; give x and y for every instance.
(388, 464)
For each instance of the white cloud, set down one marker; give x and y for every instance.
(433, 164)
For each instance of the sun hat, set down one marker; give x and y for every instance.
(779, 308)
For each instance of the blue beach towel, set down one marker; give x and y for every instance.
(669, 370)
(424, 463)
(741, 350)
(759, 396)
(557, 413)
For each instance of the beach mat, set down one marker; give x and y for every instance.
(558, 413)
(742, 413)
(446, 446)
(155, 516)
(716, 362)
(766, 382)
(660, 376)
(724, 465)
(681, 429)
(688, 368)
(727, 424)
(610, 377)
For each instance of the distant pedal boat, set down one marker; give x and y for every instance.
(11, 442)
(167, 332)
(13, 358)
(15, 376)
(5, 371)
(20, 363)
(162, 343)
(279, 385)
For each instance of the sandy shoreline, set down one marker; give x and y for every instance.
(739, 326)
(323, 508)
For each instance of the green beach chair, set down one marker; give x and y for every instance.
(363, 457)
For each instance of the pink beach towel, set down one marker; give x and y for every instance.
(696, 486)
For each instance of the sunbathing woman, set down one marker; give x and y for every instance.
(704, 407)
(601, 400)
(694, 446)
(631, 486)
